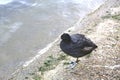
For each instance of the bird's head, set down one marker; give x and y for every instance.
(66, 37)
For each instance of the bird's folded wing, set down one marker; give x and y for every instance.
(87, 48)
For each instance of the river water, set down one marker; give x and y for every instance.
(27, 26)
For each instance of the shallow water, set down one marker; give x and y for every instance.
(29, 25)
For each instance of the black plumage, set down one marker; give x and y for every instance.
(76, 45)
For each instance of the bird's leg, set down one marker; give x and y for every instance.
(77, 60)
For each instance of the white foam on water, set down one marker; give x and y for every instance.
(8, 34)
(34, 4)
(29, 4)
(23, 2)
(3, 2)
(15, 26)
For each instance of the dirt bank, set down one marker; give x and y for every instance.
(103, 27)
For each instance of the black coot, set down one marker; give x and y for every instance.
(76, 45)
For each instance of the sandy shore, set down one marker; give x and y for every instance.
(103, 27)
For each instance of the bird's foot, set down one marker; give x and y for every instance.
(72, 65)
